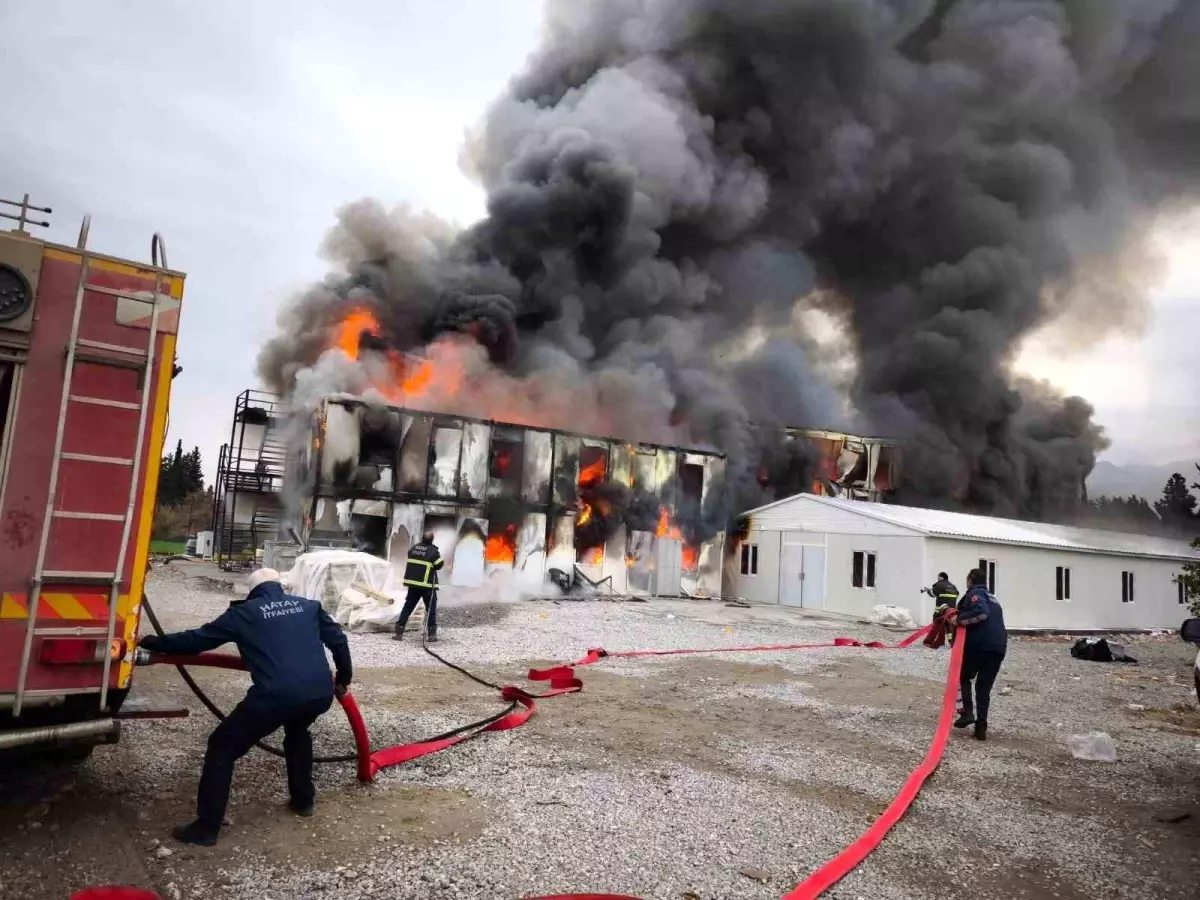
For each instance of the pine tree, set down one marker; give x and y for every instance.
(192, 479)
(1177, 506)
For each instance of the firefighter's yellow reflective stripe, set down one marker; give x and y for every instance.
(413, 582)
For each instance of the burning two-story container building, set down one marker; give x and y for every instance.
(499, 496)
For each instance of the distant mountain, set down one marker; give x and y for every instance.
(1144, 480)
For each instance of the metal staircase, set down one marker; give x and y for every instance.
(247, 509)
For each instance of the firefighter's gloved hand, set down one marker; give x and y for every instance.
(340, 690)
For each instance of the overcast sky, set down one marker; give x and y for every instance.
(237, 129)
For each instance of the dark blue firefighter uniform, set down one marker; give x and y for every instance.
(420, 577)
(282, 640)
(986, 644)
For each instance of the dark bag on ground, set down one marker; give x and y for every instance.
(1100, 651)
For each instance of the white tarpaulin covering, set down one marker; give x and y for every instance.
(323, 575)
(358, 611)
(895, 616)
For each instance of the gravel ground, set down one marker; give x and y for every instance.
(725, 775)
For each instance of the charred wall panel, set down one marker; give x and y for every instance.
(539, 447)
(414, 454)
(506, 462)
(339, 456)
(407, 521)
(444, 456)
(561, 552)
(566, 469)
(530, 561)
(643, 466)
(664, 477)
(508, 497)
(473, 475)
(621, 464)
(468, 568)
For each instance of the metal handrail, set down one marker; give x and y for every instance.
(158, 249)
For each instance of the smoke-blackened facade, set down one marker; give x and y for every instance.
(629, 517)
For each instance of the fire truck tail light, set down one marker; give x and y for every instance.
(76, 651)
(68, 651)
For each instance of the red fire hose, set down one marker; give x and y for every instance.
(563, 680)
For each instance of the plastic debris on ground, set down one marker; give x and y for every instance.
(1095, 746)
(1100, 651)
(892, 616)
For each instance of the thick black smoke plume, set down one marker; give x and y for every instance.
(679, 189)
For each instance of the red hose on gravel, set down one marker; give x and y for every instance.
(369, 763)
(846, 861)
(562, 680)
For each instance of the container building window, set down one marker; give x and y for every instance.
(988, 568)
(1062, 583)
(749, 559)
(863, 574)
(1126, 587)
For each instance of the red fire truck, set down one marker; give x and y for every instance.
(87, 355)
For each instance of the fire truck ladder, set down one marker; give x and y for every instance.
(158, 254)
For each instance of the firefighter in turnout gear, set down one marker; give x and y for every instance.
(420, 576)
(945, 596)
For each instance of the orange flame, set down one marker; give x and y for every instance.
(403, 379)
(358, 321)
(691, 557)
(502, 546)
(594, 556)
(452, 375)
(666, 528)
(590, 475)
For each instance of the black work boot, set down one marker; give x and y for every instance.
(304, 810)
(431, 638)
(194, 833)
(398, 635)
(981, 731)
(964, 720)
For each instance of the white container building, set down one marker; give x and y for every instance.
(848, 556)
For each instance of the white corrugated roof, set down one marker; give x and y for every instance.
(940, 523)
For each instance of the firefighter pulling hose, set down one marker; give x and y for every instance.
(282, 640)
(945, 596)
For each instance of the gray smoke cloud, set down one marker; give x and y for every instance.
(669, 179)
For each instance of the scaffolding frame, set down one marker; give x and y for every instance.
(252, 466)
